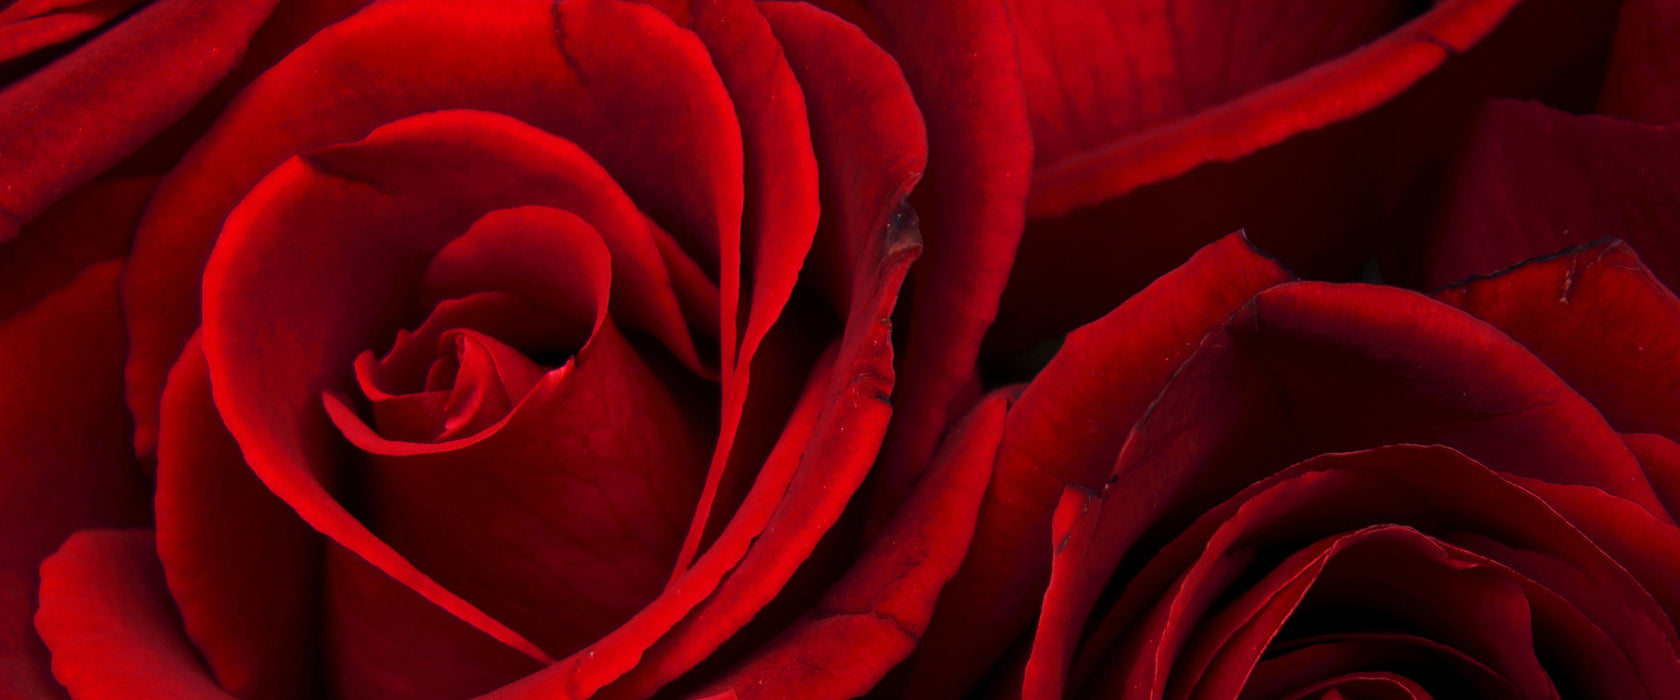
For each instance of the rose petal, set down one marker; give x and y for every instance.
(1646, 547)
(840, 71)
(1640, 82)
(784, 516)
(1316, 168)
(80, 114)
(1596, 317)
(1357, 81)
(107, 616)
(843, 445)
(242, 568)
(382, 639)
(1103, 379)
(1661, 459)
(30, 25)
(1334, 655)
(782, 206)
(625, 644)
(645, 104)
(91, 224)
(1358, 366)
(967, 85)
(66, 458)
(1537, 180)
(1432, 489)
(874, 616)
(1097, 72)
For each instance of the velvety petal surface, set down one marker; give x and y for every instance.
(79, 115)
(1640, 82)
(1102, 380)
(826, 450)
(34, 24)
(782, 210)
(63, 452)
(107, 616)
(1097, 72)
(874, 616)
(967, 84)
(1535, 181)
(242, 569)
(1598, 318)
(96, 222)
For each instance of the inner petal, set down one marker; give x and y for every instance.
(473, 383)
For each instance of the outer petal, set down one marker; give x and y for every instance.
(1102, 380)
(34, 24)
(71, 120)
(965, 76)
(93, 223)
(63, 454)
(107, 616)
(1336, 90)
(783, 209)
(1597, 318)
(1536, 180)
(1640, 82)
(1362, 366)
(875, 616)
(1098, 72)
(385, 640)
(1316, 168)
(244, 571)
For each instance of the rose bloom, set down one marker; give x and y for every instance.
(1245, 486)
(1351, 140)
(448, 348)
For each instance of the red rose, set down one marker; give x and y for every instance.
(1342, 491)
(524, 348)
(1320, 128)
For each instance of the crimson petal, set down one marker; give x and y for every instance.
(1640, 82)
(66, 465)
(874, 616)
(107, 616)
(1596, 316)
(244, 571)
(967, 84)
(1536, 180)
(1103, 379)
(82, 113)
